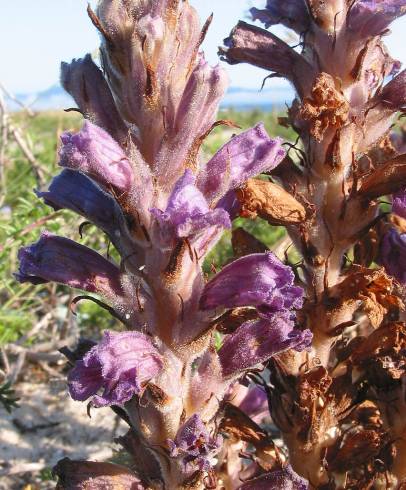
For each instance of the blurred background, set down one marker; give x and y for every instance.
(44, 425)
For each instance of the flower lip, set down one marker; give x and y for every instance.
(254, 342)
(93, 151)
(245, 155)
(119, 365)
(187, 212)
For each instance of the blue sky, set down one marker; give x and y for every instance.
(35, 35)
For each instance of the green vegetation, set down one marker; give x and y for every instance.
(23, 216)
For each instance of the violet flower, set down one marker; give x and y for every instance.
(135, 171)
(193, 445)
(255, 403)
(369, 18)
(259, 280)
(75, 191)
(399, 204)
(257, 341)
(187, 212)
(94, 151)
(246, 155)
(120, 365)
(392, 254)
(58, 259)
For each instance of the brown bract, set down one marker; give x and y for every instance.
(325, 108)
(270, 202)
(239, 427)
(386, 179)
(381, 355)
(369, 290)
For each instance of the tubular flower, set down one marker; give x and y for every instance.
(94, 151)
(58, 259)
(392, 254)
(257, 341)
(293, 14)
(77, 192)
(187, 211)
(399, 204)
(245, 156)
(259, 280)
(119, 365)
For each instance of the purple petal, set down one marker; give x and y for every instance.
(291, 13)
(94, 152)
(399, 204)
(285, 479)
(193, 444)
(85, 82)
(77, 192)
(61, 260)
(257, 341)
(244, 156)
(255, 403)
(254, 280)
(187, 212)
(392, 254)
(120, 364)
(369, 18)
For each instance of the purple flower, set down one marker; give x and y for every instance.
(94, 152)
(392, 254)
(85, 82)
(194, 445)
(369, 18)
(399, 203)
(77, 192)
(187, 212)
(259, 280)
(245, 156)
(291, 13)
(119, 365)
(255, 403)
(285, 479)
(254, 342)
(61, 260)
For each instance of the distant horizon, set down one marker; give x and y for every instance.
(37, 36)
(242, 98)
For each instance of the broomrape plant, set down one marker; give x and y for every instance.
(324, 341)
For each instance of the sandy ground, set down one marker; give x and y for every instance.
(47, 427)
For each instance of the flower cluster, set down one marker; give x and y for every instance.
(135, 171)
(348, 93)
